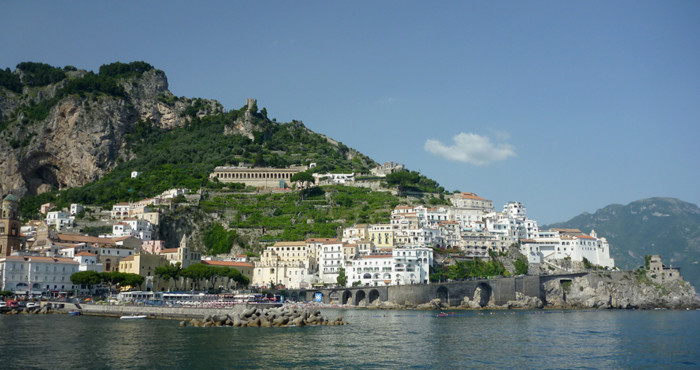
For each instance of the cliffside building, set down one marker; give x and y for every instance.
(259, 177)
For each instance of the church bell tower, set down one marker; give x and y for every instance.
(10, 240)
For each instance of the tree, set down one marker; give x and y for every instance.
(88, 278)
(303, 178)
(169, 271)
(342, 279)
(521, 266)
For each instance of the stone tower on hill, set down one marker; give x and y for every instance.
(10, 240)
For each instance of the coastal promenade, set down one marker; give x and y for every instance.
(160, 312)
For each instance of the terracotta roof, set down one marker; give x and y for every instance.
(87, 239)
(315, 240)
(169, 250)
(228, 263)
(85, 254)
(300, 243)
(378, 256)
(403, 207)
(471, 196)
(585, 237)
(125, 259)
(42, 259)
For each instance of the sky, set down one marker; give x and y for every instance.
(565, 106)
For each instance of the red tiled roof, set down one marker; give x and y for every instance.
(228, 263)
(85, 254)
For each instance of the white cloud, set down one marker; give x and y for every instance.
(471, 148)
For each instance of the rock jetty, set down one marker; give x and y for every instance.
(268, 317)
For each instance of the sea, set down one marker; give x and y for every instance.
(541, 339)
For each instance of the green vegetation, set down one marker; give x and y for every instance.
(521, 266)
(647, 259)
(200, 271)
(217, 240)
(10, 81)
(319, 214)
(91, 278)
(40, 74)
(342, 278)
(477, 268)
(566, 286)
(413, 181)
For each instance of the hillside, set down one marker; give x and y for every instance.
(83, 133)
(63, 127)
(664, 226)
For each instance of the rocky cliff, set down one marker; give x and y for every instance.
(619, 290)
(82, 136)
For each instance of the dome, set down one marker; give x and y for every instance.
(10, 198)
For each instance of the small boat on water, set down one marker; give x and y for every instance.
(75, 313)
(133, 317)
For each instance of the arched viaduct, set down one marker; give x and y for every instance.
(498, 291)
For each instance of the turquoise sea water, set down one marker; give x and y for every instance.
(374, 339)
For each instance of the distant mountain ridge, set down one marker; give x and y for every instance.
(666, 226)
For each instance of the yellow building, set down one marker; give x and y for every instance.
(382, 235)
(142, 264)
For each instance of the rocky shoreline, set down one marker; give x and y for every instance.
(268, 317)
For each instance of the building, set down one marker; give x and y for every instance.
(46, 207)
(660, 273)
(471, 201)
(109, 251)
(259, 177)
(290, 264)
(10, 225)
(183, 254)
(334, 178)
(559, 244)
(59, 220)
(76, 208)
(35, 275)
(142, 264)
(386, 169)
(88, 262)
(121, 210)
(246, 268)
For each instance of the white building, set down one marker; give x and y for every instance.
(332, 259)
(76, 208)
(138, 228)
(556, 244)
(371, 270)
(59, 220)
(334, 178)
(412, 265)
(36, 275)
(121, 210)
(88, 262)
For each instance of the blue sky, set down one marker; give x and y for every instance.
(565, 106)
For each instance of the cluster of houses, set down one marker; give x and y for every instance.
(39, 258)
(401, 252)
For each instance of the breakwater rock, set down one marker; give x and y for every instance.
(623, 290)
(268, 317)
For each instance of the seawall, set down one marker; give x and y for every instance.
(175, 313)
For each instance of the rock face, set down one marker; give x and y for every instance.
(619, 290)
(84, 134)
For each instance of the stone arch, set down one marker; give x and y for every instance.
(484, 295)
(334, 296)
(347, 297)
(443, 294)
(565, 286)
(302, 296)
(294, 296)
(373, 295)
(360, 295)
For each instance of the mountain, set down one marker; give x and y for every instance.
(64, 127)
(83, 133)
(665, 226)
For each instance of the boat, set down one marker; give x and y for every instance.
(133, 317)
(75, 313)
